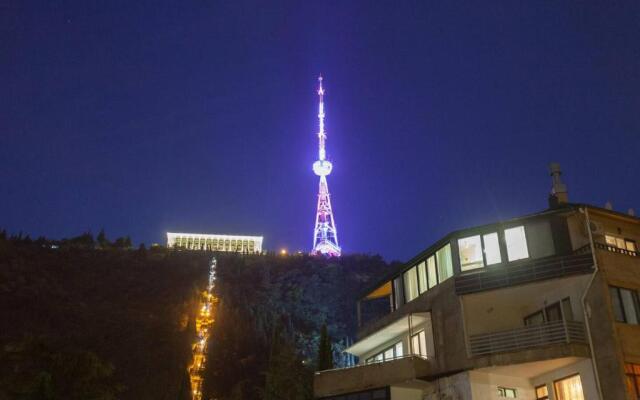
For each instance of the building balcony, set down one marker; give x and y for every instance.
(401, 370)
(527, 271)
(545, 334)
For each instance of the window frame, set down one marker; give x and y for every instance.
(543, 397)
(556, 381)
(420, 343)
(393, 348)
(632, 378)
(635, 297)
(502, 392)
(526, 242)
(482, 261)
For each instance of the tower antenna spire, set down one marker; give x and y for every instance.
(325, 234)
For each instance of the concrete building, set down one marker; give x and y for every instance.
(543, 306)
(228, 243)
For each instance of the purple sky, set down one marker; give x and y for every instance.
(146, 116)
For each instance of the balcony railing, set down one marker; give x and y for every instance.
(548, 333)
(528, 271)
(614, 249)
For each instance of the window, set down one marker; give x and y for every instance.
(542, 393)
(445, 266)
(626, 307)
(536, 318)
(633, 379)
(387, 354)
(620, 243)
(422, 277)
(553, 312)
(398, 292)
(516, 241)
(419, 344)
(492, 248)
(470, 250)
(566, 309)
(506, 392)
(431, 271)
(398, 349)
(569, 388)
(410, 284)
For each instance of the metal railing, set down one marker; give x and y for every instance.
(376, 362)
(615, 249)
(554, 332)
(521, 272)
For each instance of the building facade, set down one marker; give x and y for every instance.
(227, 243)
(541, 307)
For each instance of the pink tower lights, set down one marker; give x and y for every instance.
(325, 234)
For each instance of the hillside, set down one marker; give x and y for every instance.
(271, 310)
(97, 320)
(82, 323)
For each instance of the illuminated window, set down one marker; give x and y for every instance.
(542, 393)
(387, 354)
(506, 392)
(633, 379)
(470, 250)
(492, 248)
(419, 344)
(398, 292)
(626, 306)
(422, 277)
(445, 266)
(620, 243)
(569, 388)
(410, 284)
(431, 271)
(516, 241)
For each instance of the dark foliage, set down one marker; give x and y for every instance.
(294, 296)
(87, 323)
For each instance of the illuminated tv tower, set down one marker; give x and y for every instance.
(325, 234)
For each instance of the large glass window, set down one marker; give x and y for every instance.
(633, 379)
(445, 266)
(626, 305)
(492, 248)
(470, 250)
(411, 284)
(516, 241)
(422, 277)
(431, 271)
(419, 344)
(387, 354)
(569, 388)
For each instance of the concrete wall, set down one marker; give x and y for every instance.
(505, 309)
(400, 393)
(454, 387)
(583, 367)
(485, 386)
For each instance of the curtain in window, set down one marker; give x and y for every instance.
(569, 389)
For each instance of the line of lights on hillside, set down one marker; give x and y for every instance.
(204, 322)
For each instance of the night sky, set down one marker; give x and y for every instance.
(145, 116)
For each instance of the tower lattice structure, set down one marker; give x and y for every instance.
(325, 234)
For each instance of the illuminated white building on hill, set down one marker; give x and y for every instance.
(228, 243)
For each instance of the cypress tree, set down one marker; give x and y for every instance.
(325, 352)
